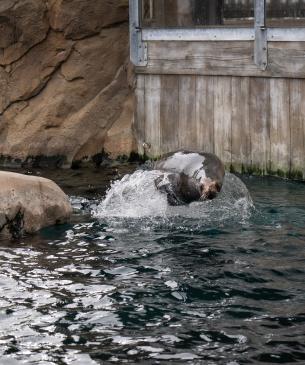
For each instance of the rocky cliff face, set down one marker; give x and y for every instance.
(65, 91)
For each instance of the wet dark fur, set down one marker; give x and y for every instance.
(184, 189)
(180, 189)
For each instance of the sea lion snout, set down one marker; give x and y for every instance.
(209, 189)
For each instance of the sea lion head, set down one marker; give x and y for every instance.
(209, 189)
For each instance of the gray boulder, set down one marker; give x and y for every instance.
(29, 203)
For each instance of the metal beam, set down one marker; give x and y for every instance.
(261, 42)
(222, 34)
(286, 34)
(138, 48)
(198, 34)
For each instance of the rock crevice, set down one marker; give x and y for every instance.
(15, 225)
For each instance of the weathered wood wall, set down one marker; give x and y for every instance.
(285, 59)
(253, 124)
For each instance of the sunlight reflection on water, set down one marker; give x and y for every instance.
(214, 283)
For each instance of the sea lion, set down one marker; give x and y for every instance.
(189, 176)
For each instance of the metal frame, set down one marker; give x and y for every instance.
(138, 48)
(260, 34)
(261, 43)
(198, 34)
(222, 34)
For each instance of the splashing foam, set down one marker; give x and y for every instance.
(136, 197)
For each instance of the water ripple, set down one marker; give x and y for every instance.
(179, 289)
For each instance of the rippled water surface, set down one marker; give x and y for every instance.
(131, 280)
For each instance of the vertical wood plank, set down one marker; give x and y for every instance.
(169, 111)
(297, 128)
(279, 126)
(260, 124)
(205, 113)
(187, 130)
(159, 12)
(222, 118)
(170, 13)
(241, 143)
(152, 114)
(245, 121)
(139, 118)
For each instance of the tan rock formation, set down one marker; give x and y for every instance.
(23, 24)
(29, 203)
(82, 18)
(119, 140)
(66, 87)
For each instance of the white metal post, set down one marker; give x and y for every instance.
(261, 36)
(138, 49)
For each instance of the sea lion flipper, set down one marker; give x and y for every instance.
(162, 183)
(173, 200)
(166, 184)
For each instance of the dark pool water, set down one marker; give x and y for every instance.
(143, 289)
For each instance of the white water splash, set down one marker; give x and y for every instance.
(135, 196)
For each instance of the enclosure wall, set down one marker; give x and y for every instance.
(234, 58)
(252, 123)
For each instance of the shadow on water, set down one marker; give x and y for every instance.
(131, 280)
